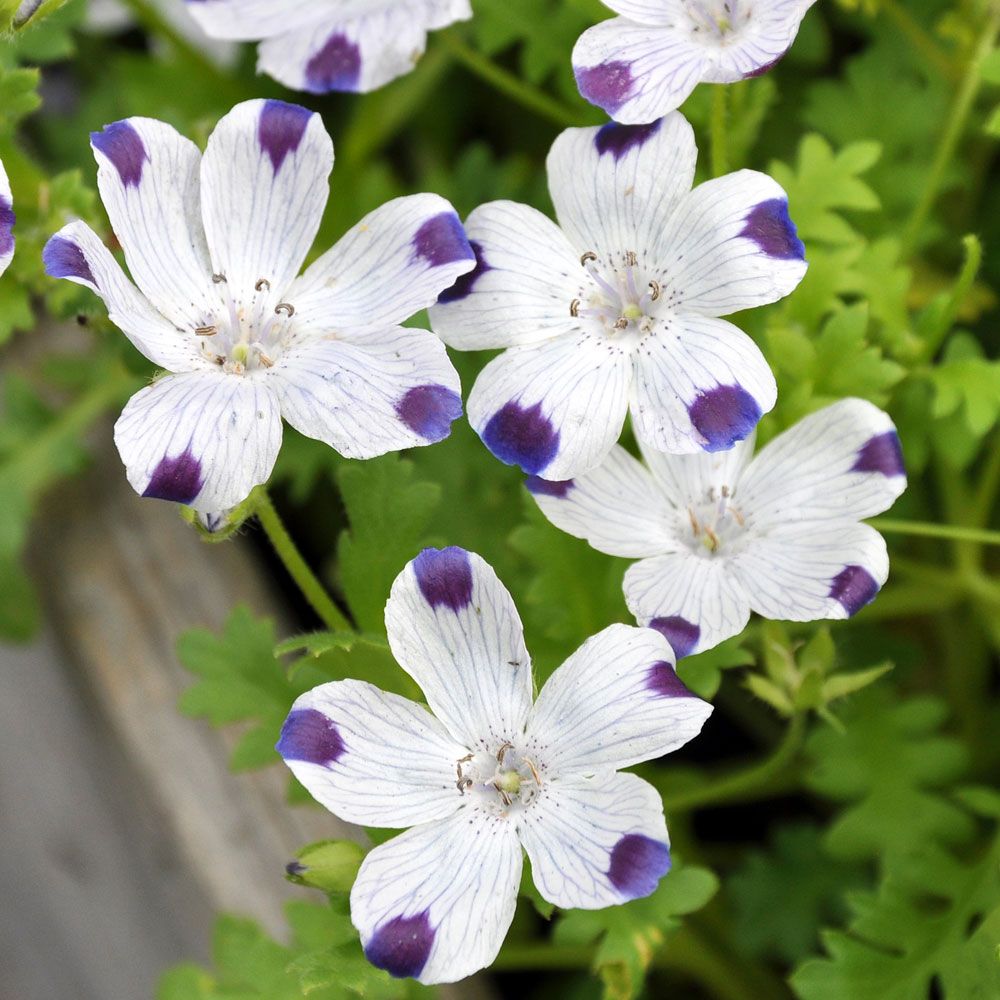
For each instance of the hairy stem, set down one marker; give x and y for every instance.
(298, 569)
(926, 529)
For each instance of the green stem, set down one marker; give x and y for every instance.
(298, 569)
(921, 40)
(985, 495)
(965, 99)
(718, 129)
(952, 532)
(747, 783)
(509, 85)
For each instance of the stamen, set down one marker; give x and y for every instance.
(630, 258)
(285, 307)
(574, 308)
(264, 359)
(654, 288)
(504, 747)
(262, 285)
(695, 526)
(740, 519)
(588, 258)
(534, 771)
(621, 323)
(218, 278)
(206, 331)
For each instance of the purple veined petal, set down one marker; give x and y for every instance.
(453, 628)
(724, 415)
(239, 21)
(597, 842)
(411, 904)
(682, 635)
(854, 587)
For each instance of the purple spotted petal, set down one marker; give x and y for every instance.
(336, 66)
(445, 577)
(64, 259)
(682, 635)
(724, 415)
(620, 139)
(124, 147)
(281, 129)
(771, 228)
(428, 410)
(441, 240)
(854, 587)
(883, 454)
(522, 436)
(558, 488)
(637, 865)
(176, 478)
(7, 220)
(465, 283)
(308, 735)
(402, 945)
(607, 85)
(662, 680)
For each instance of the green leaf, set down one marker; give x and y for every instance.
(849, 683)
(702, 673)
(966, 381)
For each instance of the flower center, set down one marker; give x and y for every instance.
(247, 335)
(616, 295)
(718, 18)
(715, 525)
(504, 782)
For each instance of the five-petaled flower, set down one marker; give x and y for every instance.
(617, 309)
(489, 773)
(6, 222)
(325, 45)
(720, 535)
(646, 62)
(214, 243)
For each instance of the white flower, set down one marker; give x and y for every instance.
(6, 221)
(489, 773)
(324, 45)
(214, 243)
(721, 535)
(616, 310)
(646, 62)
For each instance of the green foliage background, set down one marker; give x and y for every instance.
(835, 828)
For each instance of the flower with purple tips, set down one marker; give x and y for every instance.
(616, 309)
(720, 535)
(645, 62)
(214, 244)
(326, 45)
(489, 774)
(6, 222)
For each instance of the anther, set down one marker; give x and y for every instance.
(574, 308)
(285, 307)
(504, 747)
(631, 259)
(588, 257)
(264, 359)
(621, 323)
(654, 288)
(695, 526)
(218, 278)
(262, 285)
(206, 331)
(534, 772)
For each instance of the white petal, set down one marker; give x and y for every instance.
(393, 263)
(356, 50)
(391, 390)
(526, 277)
(700, 384)
(264, 184)
(701, 476)
(634, 72)
(555, 409)
(843, 462)
(615, 187)
(435, 902)
(806, 571)
(251, 19)
(695, 601)
(647, 11)
(6, 221)
(596, 842)
(454, 629)
(730, 245)
(76, 253)
(617, 507)
(371, 757)
(616, 701)
(148, 176)
(205, 439)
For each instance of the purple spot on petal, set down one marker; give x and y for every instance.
(336, 66)
(280, 130)
(522, 436)
(64, 259)
(662, 679)
(608, 85)
(124, 147)
(402, 945)
(428, 410)
(682, 635)
(771, 228)
(620, 139)
(723, 416)
(854, 587)
(464, 283)
(7, 219)
(178, 479)
(766, 68)
(558, 488)
(441, 240)
(882, 453)
(445, 577)
(637, 865)
(308, 735)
